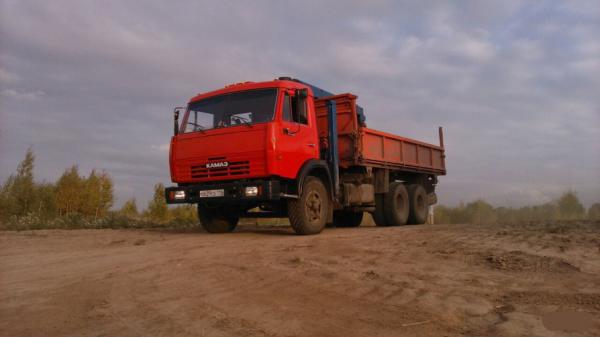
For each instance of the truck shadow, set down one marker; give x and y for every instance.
(267, 230)
(280, 230)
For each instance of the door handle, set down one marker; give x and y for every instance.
(311, 144)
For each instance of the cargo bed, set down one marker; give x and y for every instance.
(359, 145)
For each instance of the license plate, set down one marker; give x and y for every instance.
(212, 193)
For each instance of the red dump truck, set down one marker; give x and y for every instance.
(285, 148)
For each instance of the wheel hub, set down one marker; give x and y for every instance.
(313, 206)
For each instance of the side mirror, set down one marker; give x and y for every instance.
(176, 120)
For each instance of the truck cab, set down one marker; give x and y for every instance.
(245, 131)
(263, 149)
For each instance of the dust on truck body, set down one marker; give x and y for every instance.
(285, 148)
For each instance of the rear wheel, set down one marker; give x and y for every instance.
(379, 213)
(418, 204)
(397, 205)
(308, 213)
(217, 219)
(347, 218)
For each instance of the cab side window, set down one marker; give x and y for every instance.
(287, 108)
(294, 109)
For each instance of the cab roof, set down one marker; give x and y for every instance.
(242, 86)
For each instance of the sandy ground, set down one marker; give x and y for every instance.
(430, 280)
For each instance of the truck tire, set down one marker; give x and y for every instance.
(347, 218)
(379, 213)
(418, 204)
(308, 213)
(397, 205)
(217, 220)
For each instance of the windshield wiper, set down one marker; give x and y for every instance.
(197, 127)
(242, 120)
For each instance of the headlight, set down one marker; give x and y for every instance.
(179, 195)
(251, 191)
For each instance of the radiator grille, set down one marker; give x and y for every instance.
(236, 168)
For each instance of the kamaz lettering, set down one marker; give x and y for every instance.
(216, 165)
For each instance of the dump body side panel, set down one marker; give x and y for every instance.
(384, 149)
(362, 146)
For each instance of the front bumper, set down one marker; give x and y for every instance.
(233, 192)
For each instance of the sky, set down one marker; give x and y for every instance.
(515, 84)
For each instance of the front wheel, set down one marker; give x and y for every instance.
(308, 213)
(217, 219)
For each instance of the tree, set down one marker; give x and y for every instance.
(24, 185)
(25, 169)
(46, 200)
(106, 193)
(90, 195)
(569, 206)
(18, 195)
(594, 212)
(129, 209)
(157, 207)
(69, 191)
(8, 203)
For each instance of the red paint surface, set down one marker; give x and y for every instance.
(260, 150)
(264, 150)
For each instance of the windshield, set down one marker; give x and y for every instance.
(239, 108)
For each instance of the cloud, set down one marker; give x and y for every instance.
(7, 77)
(22, 96)
(160, 148)
(514, 83)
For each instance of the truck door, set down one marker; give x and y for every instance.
(299, 141)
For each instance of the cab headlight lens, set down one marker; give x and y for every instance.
(179, 195)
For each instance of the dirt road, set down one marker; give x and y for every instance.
(431, 280)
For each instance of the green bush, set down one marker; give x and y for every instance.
(76, 201)
(566, 207)
(594, 212)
